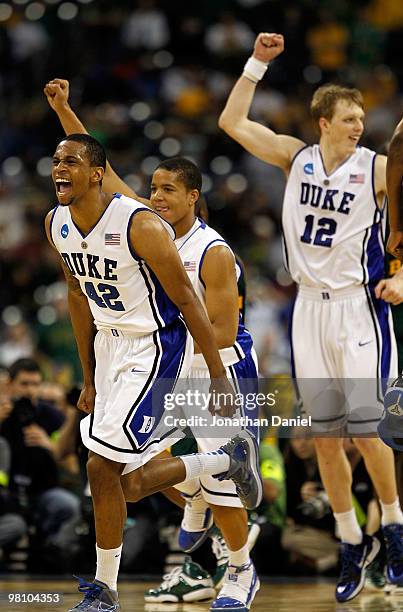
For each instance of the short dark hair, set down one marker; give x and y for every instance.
(188, 172)
(26, 364)
(95, 151)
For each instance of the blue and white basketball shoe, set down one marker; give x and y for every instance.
(197, 522)
(97, 596)
(239, 589)
(354, 559)
(393, 535)
(244, 468)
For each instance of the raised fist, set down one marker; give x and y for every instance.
(268, 46)
(57, 93)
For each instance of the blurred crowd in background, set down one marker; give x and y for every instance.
(149, 79)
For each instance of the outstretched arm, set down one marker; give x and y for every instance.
(276, 149)
(57, 94)
(84, 330)
(394, 177)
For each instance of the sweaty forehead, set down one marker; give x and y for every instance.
(71, 148)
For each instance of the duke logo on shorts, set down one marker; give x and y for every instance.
(142, 344)
(333, 247)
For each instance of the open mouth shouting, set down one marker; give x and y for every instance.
(64, 188)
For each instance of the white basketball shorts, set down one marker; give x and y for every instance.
(343, 353)
(131, 374)
(210, 436)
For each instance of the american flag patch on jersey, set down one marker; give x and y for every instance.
(112, 239)
(357, 178)
(190, 266)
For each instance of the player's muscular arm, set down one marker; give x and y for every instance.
(84, 330)
(57, 95)
(219, 277)
(152, 243)
(264, 143)
(394, 176)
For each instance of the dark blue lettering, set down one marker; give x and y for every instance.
(68, 263)
(316, 195)
(92, 266)
(305, 190)
(328, 203)
(110, 265)
(78, 260)
(347, 198)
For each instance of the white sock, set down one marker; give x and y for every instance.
(211, 463)
(391, 513)
(239, 557)
(189, 487)
(350, 531)
(108, 562)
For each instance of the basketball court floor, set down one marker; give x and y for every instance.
(279, 596)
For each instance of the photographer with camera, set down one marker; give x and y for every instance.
(308, 536)
(30, 427)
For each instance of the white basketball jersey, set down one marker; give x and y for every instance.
(332, 225)
(123, 293)
(192, 248)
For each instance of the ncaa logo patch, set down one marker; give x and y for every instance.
(308, 168)
(64, 230)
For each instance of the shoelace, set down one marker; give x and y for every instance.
(219, 548)
(240, 589)
(394, 542)
(173, 577)
(350, 559)
(90, 590)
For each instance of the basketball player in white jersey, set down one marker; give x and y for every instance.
(332, 212)
(210, 264)
(125, 276)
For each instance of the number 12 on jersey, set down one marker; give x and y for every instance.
(323, 234)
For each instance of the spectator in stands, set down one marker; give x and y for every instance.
(309, 534)
(12, 525)
(147, 27)
(30, 427)
(17, 342)
(328, 42)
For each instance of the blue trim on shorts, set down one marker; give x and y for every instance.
(379, 310)
(244, 339)
(248, 384)
(292, 358)
(171, 345)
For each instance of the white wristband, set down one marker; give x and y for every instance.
(255, 69)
